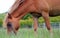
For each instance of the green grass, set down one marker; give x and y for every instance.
(29, 33)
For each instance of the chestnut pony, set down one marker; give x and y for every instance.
(36, 8)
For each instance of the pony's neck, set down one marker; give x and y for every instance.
(22, 9)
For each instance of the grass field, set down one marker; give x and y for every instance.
(29, 33)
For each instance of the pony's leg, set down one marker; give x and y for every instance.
(45, 15)
(16, 30)
(35, 26)
(35, 23)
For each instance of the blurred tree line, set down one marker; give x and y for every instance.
(27, 19)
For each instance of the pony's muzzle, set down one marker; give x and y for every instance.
(11, 29)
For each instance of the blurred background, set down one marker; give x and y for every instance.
(26, 28)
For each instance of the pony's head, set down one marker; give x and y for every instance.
(11, 23)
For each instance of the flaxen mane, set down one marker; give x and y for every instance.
(14, 7)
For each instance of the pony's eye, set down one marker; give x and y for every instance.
(9, 25)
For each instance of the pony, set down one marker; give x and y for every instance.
(37, 8)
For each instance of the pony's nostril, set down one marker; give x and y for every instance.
(17, 28)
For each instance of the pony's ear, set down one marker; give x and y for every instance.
(9, 16)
